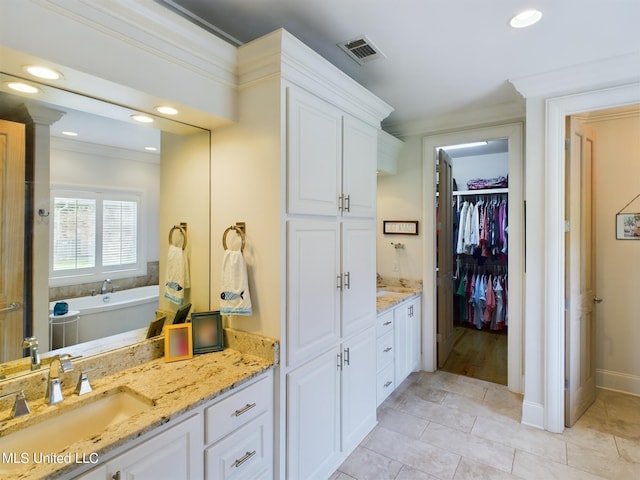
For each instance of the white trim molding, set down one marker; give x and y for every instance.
(515, 347)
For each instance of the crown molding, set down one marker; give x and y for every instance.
(94, 149)
(608, 72)
(282, 55)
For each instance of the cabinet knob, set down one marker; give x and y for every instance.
(347, 203)
(116, 476)
(388, 349)
(389, 382)
(339, 285)
(347, 280)
(346, 356)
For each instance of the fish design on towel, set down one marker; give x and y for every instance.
(232, 295)
(174, 285)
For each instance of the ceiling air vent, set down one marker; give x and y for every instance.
(361, 49)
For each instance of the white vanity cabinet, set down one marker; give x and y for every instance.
(406, 326)
(229, 438)
(385, 356)
(329, 163)
(331, 402)
(174, 453)
(397, 345)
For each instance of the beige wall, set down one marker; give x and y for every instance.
(617, 261)
(400, 198)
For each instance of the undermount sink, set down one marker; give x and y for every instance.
(84, 421)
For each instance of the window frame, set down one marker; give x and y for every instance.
(99, 272)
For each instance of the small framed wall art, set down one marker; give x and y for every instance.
(400, 227)
(628, 226)
(207, 332)
(178, 342)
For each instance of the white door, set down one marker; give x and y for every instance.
(358, 388)
(359, 163)
(314, 154)
(313, 288)
(12, 171)
(313, 417)
(358, 275)
(579, 271)
(445, 334)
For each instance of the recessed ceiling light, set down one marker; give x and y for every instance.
(167, 110)
(151, 149)
(43, 72)
(525, 18)
(69, 133)
(138, 117)
(22, 87)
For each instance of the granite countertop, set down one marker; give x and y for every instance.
(172, 388)
(389, 296)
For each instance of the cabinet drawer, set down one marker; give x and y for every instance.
(384, 323)
(246, 453)
(238, 409)
(385, 351)
(386, 384)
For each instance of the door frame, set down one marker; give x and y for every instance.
(516, 266)
(557, 109)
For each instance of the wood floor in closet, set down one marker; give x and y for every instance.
(479, 354)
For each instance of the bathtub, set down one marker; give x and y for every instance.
(104, 315)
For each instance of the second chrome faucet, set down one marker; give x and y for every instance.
(59, 364)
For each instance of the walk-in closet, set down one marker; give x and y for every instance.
(473, 248)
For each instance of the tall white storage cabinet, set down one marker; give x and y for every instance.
(305, 144)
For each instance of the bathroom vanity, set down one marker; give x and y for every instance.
(207, 417)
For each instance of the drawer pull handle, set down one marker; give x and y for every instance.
(243, 459)
(388, 322)
(388, 349)
(244, 409)
(389, 382)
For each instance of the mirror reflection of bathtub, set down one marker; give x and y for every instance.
(102, 315)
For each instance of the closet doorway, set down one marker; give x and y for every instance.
(491, 192)
(472, 242)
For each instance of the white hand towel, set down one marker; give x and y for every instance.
(177, 275)
(234, 296)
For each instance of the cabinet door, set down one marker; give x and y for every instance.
(359, 274)
(401, 334)
(359, 163)
(358, 388)
(314, 154)
(313, 294)
(174, 453)
(313, 421)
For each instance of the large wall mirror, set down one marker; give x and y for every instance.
(138, 187)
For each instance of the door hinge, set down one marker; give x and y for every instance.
(439, 337)
(567, 143)
(566, 384)
(567, 226)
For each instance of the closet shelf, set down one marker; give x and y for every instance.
(484, 191)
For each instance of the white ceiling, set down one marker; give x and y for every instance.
(444, 58)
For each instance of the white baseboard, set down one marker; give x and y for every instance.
(620, 382)
(533, 414)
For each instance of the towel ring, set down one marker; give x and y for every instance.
(182, 231)
(238, 231)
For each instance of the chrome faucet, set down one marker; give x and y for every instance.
(59, 364)
(32, 344)
(105, 284)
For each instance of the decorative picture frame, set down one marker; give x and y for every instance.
(155, 326)
(178, 342)
(400, 227)
(207, 332)
(628, 226)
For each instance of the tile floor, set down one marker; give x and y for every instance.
(445, 426)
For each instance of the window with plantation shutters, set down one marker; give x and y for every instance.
(94, 233)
